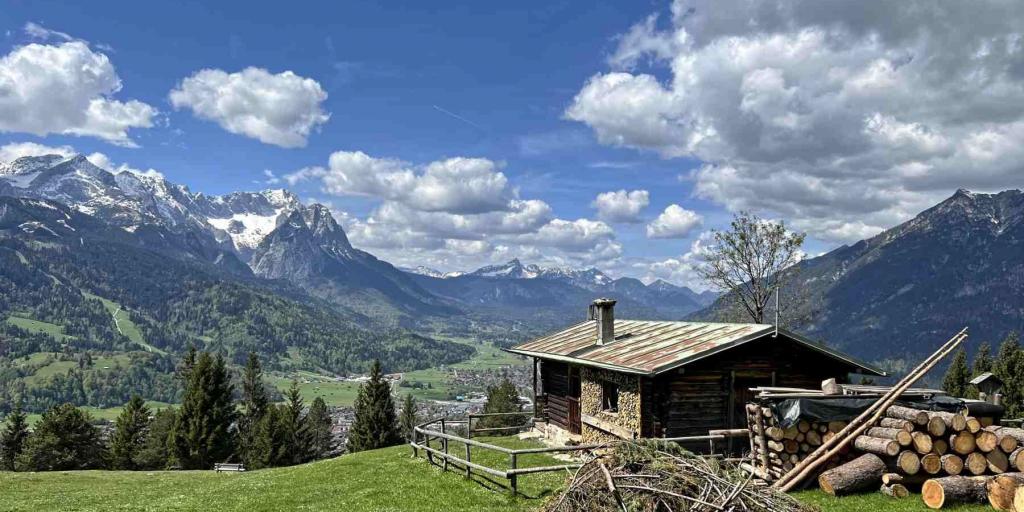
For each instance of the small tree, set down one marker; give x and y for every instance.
(254, 406)
(202, 434)
(270, 437)
(982, 360)
(155, 452)
(407, 418)
(751, 261)
(13, 437)
(63, 440)
(1008, 367)
(321, 439)
(957, 376)
(502, 398)
(374, 425)
(129, 437)
(296, 432)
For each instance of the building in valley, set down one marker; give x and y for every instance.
(607, 378)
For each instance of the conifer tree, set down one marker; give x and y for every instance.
(407, 418)
(13, 437)
(296, 432)
(254, 406)
(269, 438)
(320, 436)
(375, 424)
(63, 440)
(129, 437)
(202, 434)
(982, 360)
(502, 398)
(957, 376)
(155, 452)
(1008, 367)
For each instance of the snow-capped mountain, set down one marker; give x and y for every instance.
(585, 278)
(430, 272)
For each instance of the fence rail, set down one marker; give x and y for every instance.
(423, 435)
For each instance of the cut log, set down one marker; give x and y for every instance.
(1009, 438)
(975, 424)
(954, 421)
(922, 442)
(1017, 459)
(836, 426)
(803, 426)
(940, 446)
(878, 446)
(1016, 433)
(986, 421)
(790, 433)
(776, 446)
(859, 474)
(791, 446)
(1007, 443)
(936, 426)
(931, 464)
(953, 490)
(1001, 489)
(775, 433)
(895, 491)
(975, 463)
(896, 423)
(997, 461)
(813, 438)
(916, 416)
(908, 462)
(901, 436)
(907, 480)
(952, 464)
(986, 441)
(962, 443)
(831, 387)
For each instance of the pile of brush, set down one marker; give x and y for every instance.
(655, 476)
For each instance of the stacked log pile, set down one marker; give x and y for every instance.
(776, 450)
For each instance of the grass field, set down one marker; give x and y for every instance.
(109, 414)
(380, 480)
(31, 325)
(876, 502)
(124, 322)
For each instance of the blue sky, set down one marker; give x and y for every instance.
(566, 100)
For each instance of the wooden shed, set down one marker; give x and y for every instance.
(606, 377)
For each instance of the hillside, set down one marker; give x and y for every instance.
(893, 297)
(388, 479)
(69, 278)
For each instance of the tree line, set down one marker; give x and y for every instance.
(1007, 366)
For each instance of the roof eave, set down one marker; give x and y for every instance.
(581, 362)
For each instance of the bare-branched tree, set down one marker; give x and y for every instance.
(750, 261)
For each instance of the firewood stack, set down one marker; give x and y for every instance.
(776, 450)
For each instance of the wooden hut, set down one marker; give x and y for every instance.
(607, 378)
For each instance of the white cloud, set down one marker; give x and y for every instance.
(66, 89)
(15, 150)
(39, 32)
(456, 185)
(843, 119)
(674, 222)
(104, 162)
(281, 109)
(272, 178)
(683, 269)
(621, 206)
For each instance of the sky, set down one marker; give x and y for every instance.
(458, 134)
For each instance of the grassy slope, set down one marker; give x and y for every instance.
(380, 480)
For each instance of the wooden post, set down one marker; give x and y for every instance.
(469, 426)
(534, 388)
(426, 442)
(468, 474)
(415, 451)
(512, 478)
(444, 444)
(732, 411)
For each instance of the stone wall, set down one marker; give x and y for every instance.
(628, 416)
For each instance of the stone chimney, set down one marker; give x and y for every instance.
(602, 311)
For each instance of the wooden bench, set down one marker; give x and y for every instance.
(222, 466)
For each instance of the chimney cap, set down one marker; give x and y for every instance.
(603, 301)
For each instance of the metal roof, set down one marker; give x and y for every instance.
(651, 347)
(983, 377)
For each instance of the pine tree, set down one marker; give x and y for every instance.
(13, 437)
(63, 440)
(407, 418)
(296, 432)
(202, 435)
(982, 360)
(374, 425)
(957, 376)
(1008, 367)
(254, 406)
(320, 435)
(129, 437)
(269, 438)
(502, 398)
(155, 452)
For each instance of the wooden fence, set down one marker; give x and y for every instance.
(437, 430)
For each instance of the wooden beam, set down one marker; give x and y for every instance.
(608, 426)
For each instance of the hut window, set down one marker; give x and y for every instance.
(609, 397)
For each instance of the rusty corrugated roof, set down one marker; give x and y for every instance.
(651, 347)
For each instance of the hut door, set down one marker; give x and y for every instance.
(573, 400)
(741, 395)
